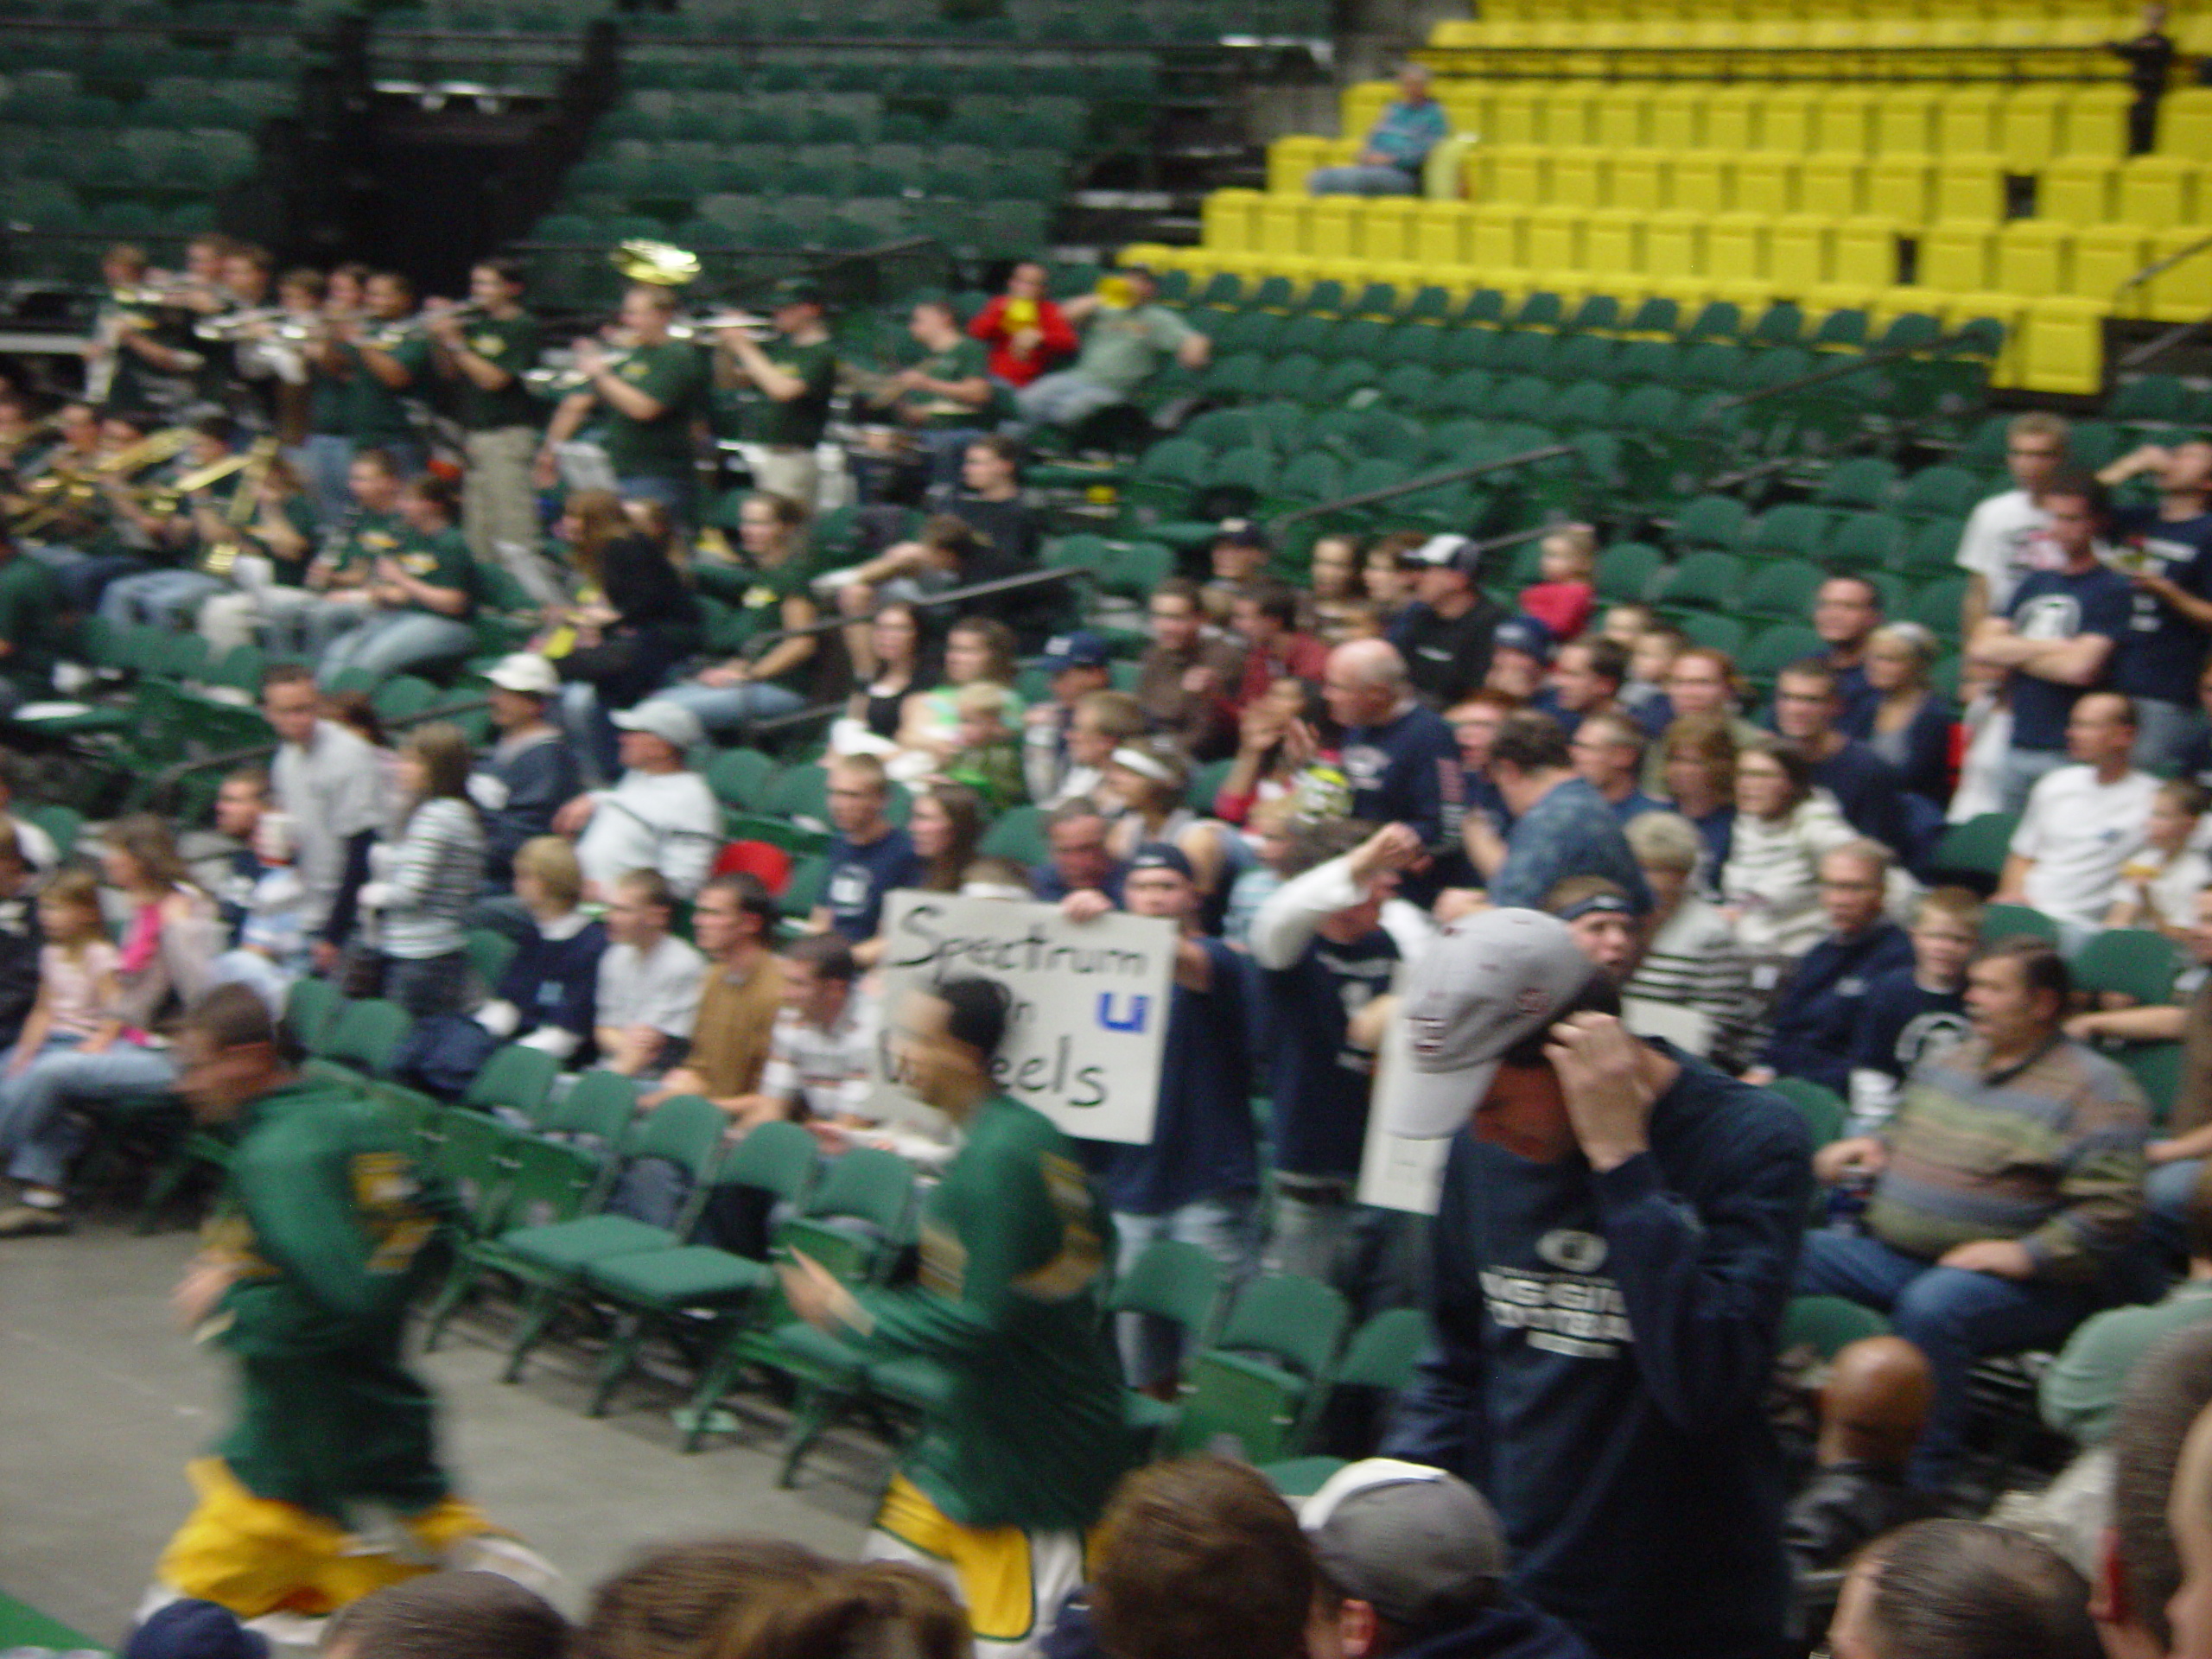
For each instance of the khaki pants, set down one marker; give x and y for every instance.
(498, 504)
(785, 470)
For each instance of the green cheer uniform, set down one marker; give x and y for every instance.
(298, 512)
(1030, 1432)
(441, 559)
(367, 536)
(338, 1231)
(965, 360)
(375, 414)
(759, 613)
(510, 343)
(799, 422)
(674, 375)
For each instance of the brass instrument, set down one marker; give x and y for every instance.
(229, 327)
(706, 326)
(658, 264)
(221, 557)
(68, 490)
(560, 374)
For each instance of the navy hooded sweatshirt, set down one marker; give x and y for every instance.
(1819, 1008)
(1600, 1346)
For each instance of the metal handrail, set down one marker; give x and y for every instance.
(1449, 59)
(1842, 368)
(1282, 521)
(2160, 267)
(928, 602)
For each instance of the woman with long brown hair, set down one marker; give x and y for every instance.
(426, 878)
(1697, 758)
(946, 827)
(634, 620)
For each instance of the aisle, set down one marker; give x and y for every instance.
(102, 1401)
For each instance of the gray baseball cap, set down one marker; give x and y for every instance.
(1416, 1544)
(670, 721)
(1485, 981)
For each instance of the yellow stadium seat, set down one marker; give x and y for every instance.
(1328, 228)
(2061, 346)
(1566, 113)
(1674, 245)
(1681, 112)
(1493, 239)
(1441, 231)
(1969, 187)
(1282, 225)
(1459, 31)
(1835, 185)
(1955, 255)
(1229, 219)
(1513, 115)
(2075, 190)
(2192, 35)
(1291, 162)
(1832, 32)
(1467, 105)
(2185, 123)
(2183, 293)
(1553, 240)
(1736, 246)
(1384, 231)
(1843, 121)
(2028, 127)
(1698, 183)
(1517, 173)
(1965, 120)
(2157, 191)
(1577, 177)
(1733, 120)
(1902, 187)
(1767, 184)
(2104, 258)
(1612, 243)
(1638, 181)
(1786, 121)
(1621, 117)
(1800, 252)
(2032, 259)
(1865, 251)
(2095, 122)
(1904, 122)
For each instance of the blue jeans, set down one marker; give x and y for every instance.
(726, 710)
(323, 462)
(160, 598)
(86, 581)
(41, 1139)
(2163, 730)
(1333, 1238)
(679, 495)
(2024, 770)
(1954, 1316)
(1065, 398)
(2166, 1192)
(1222, 1227)
(392, 642)
(1358, 180)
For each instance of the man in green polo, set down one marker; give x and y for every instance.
(650, 395)
(327, 1486)
(1016, 1461)
(483, 357)
(784, 387)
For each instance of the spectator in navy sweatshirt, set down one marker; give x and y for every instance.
(1616, 1241)
(548, 997)
(1816, 1017)
(1913, 1013)
(531, 772)
(1868, 789)
(1396, 752)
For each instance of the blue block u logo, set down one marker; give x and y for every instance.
(1138, 1006)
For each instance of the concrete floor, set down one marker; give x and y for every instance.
(102, 1401)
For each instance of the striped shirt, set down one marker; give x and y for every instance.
(2050, 1152)
(825, 1071)
(1693, 962)
(436, 875)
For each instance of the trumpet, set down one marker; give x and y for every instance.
(560, 374)
(757, 328)
(230, 327)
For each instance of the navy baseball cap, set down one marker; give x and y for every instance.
(1081, 649)
(1526, 635)
(1162, 855)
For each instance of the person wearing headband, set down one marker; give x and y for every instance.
(1616, 1240)
(1603, 922)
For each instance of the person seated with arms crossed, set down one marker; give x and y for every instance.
(1816, 1017)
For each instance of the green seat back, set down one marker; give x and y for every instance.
(1978, 846)
(1821, 1107)
(365, 1034)
(1294, 1320)
(741, 778)
(865, 1185)
(490, 954)
(2128, 960)
(1828, 1323)
(515, 1075)
(777, 1158)
(2013, 921)
(1170, 1281)
(601, 1105)
(1383, 1353)
(686, 1131)
(310, 1008)
(2157, 1069)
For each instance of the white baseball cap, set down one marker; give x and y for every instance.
(527, 672)
(671, 722)
(1485, 981)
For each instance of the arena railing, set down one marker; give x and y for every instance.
(2180, 333)
(1934, 64)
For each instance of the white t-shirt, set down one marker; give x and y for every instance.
(2004, 541)
(2079, 832)
(659, 989)
(664, 820)
(2173, 884)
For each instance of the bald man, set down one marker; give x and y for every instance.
(1397, 754)
(1876, 1403)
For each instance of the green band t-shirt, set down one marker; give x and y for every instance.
(509, 343)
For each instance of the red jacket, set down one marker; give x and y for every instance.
(989, 326)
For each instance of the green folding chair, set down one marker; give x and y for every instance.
(1976, 848)
(1828, 1325)
(1382, 1356)
(1264, 1379)
(2133, 962)
(2014, 921)
(360, 1043)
